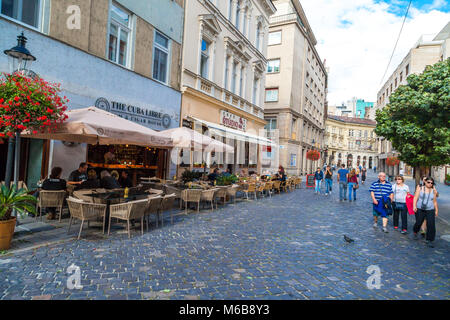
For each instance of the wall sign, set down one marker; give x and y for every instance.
(233, 121)
(146, 117)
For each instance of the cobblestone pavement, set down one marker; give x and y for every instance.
(289, 246)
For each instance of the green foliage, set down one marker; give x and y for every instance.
(417, 118)
(226, 180)
(11, 198)
(189, 176)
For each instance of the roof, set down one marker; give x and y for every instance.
(352, 120)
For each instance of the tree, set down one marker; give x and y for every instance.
(417, 119)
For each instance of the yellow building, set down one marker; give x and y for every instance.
(350, 141)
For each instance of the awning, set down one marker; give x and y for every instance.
(235, 134)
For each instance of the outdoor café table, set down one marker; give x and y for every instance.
(108, 197)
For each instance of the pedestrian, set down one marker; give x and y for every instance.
(401, 190)
(375, 169)
(423, 228)
(328, 180)
(342, 180)
(352, 185)
(363, 175)
(426, 208)
(380, 191)
(357, 172)
(318, 177)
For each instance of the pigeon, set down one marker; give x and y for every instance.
(348, 239)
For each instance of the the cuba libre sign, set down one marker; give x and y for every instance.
(143, 116)
(233, 121)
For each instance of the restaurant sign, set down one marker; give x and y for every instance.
(233, 121)
(143, 116)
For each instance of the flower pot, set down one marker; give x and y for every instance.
(6, 233)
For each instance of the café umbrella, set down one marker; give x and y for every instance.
(95, 126)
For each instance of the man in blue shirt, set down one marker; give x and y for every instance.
(318, 177)
(378, 190)
(342, 180)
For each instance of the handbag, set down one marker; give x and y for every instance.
(356, 186)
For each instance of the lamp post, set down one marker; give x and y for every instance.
(19, 60)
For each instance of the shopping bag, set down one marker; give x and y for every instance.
(409, 204)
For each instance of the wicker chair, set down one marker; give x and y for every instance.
(260, 189)
(298, 182)
(167, 204)
(50, 199)
(191, 195)
(168, 189)
(284, 186)
(154, 204)
(231, 192)
(85, 211)
(277, 186)
(268, 188)
(127, 212)
(83, 195)
(251, 189)
(221, 193)
(208, 195)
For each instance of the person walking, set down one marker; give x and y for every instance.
(423, 228)
(401, 190)
(342, 180)
(426, 208)
(352, 185)
(318, 177)
(328, 180)
(363, 175)
(379, 190)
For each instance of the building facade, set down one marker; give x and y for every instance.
(350, 141)
(428, 50)
(223, 77)
(296, 88)
(123, 56)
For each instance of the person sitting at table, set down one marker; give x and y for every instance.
(54, 183)
(281, 173)
(227, 173)
(92, 182)
(213, 176)
(125, 180)
(78, 176)
(107, 181)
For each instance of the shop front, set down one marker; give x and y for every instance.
(233, 126)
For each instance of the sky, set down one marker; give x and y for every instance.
(356, 37)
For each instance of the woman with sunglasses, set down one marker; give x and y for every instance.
(423, 228)
(426, 208)
(401, 190)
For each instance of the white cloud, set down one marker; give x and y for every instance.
(357, 41)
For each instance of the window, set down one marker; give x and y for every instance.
(241, 81)
(238, 16)
(204, 59)
(401, 77)
(271, 124)
(119, 34)
(274, 38)
(395, 82)
(160, 57)
(293, 160)
(26, 11)
(255, 94)
(258, 36)
(407, 70)
(273, 66)
(227, 71)
(234, 77)
(230, 9)
(271, 95)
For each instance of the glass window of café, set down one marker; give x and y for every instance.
(119, 35)
(25, 11)
(139, 161)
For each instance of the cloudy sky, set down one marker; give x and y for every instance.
(356, 37)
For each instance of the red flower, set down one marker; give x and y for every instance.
(16, 99)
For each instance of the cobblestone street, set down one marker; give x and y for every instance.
(289, 246)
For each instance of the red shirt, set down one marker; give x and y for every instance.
(353, 179)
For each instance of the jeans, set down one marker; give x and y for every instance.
(342, 190)
(318, 184)
(350, 189)
(400, 209)
(429, 215)
(329, 184)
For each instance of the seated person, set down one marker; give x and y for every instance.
(92, 182)
(107, 181)
(115, 175)
(227, 173)
(54, 183)
(213, 176)
(78, 176)
(125, 180)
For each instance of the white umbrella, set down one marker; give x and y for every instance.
(187, 138)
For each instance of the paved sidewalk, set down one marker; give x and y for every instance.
(289, 246)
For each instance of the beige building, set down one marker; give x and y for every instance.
(428, 50)
(296, 87)
(223, 76)
(350, 141)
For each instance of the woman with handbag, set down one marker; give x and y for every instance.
(401, 190)
(426, 208)
(352, 185)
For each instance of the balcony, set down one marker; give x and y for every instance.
(291, 17)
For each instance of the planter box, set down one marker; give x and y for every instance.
(6, 233)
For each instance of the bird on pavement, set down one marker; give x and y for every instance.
(348, 239)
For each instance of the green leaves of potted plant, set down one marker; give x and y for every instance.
(226, 180)
(13, 199)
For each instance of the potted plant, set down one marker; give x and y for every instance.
(13, 199)
(447, 179)
(226, 180)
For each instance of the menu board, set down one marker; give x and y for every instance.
(310, 181)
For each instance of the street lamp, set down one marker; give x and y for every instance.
(19, 60)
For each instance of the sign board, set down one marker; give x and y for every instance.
(310, 183)
(233, 121)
